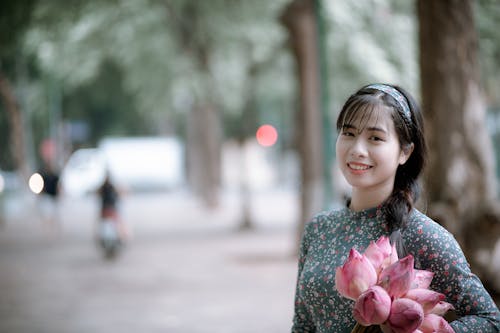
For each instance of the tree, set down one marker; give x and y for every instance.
(299, 18)
(185, 59)
(460, 180)
(14, 19)
(487, 16)
(248, 123)
(204, 132)
(105, 107)
(206, 33)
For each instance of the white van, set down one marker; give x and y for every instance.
(83, 173)
(143, 163)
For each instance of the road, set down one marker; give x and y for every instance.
(187, 269)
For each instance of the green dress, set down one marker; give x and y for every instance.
(326, 243)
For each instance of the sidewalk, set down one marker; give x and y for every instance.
(186, 270)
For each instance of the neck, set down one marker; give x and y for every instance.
(364, 199)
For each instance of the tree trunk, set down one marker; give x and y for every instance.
(247, 127)
(246, 222)
(15, 119)
(204, 131)
(203, 152)
(300, 20)
(460, 178)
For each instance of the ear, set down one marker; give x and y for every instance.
(406, 153)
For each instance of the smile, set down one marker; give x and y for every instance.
(357, 166)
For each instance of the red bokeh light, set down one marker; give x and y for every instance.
(266, 135)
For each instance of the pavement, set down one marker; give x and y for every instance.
(186, 269)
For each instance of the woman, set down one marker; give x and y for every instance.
(381, 152)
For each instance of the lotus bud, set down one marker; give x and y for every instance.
(398, 277)
(372, 307)
(355, 276)
(441, 308)
(426, 297)
(381, 253)
(406, 315)
(393, 258)
(422, 279)
(435, 324)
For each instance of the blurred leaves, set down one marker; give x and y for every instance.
(149, 41)
(167, 54)
(14, 19)
(487, 21)
(371, 41)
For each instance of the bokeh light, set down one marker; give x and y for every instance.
(266, 135)
(36, 183)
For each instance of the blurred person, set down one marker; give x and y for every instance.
(109, 203)
(381, 153)
(49, 197)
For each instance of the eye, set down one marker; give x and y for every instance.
(347, 133)
(376, 138)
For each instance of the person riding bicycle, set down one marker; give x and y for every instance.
(109, 199)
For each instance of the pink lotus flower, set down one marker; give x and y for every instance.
(381, 253)
(372, 307)
(398, 277)
(406, 315)
(355, 276)
(441, 308)
(435, 324)
(390, 292)
(422, 279)
(426, 297)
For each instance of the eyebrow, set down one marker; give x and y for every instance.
(378, 129)
(371, 128)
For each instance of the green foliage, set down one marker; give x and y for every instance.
(17, 68)
(14, 19)
(111, 59)
(105, 106)
(487, 17)
(172, 53)
(137, 67)
(370, 41)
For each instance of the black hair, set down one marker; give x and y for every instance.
(410, 130)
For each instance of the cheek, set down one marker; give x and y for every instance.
(389, 155)
(339, 149)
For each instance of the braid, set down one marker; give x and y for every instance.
(406, 190)
(397, 209)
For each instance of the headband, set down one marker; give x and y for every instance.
(397, 95)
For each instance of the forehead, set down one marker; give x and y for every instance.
(368, 117)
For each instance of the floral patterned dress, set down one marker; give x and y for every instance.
(325, 246)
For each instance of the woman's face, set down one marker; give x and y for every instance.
(369, 153)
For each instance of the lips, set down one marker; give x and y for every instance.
(358, 166)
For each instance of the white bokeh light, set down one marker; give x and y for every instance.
(36, 183)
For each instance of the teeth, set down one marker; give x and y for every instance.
(359, 167)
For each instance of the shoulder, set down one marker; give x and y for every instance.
(430, 241)
(421, 223)
(325, 220)
(424, 229)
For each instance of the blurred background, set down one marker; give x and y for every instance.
(215, 120)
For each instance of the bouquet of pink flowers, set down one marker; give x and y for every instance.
(390, 292)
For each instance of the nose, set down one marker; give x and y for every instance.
(358, 148)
